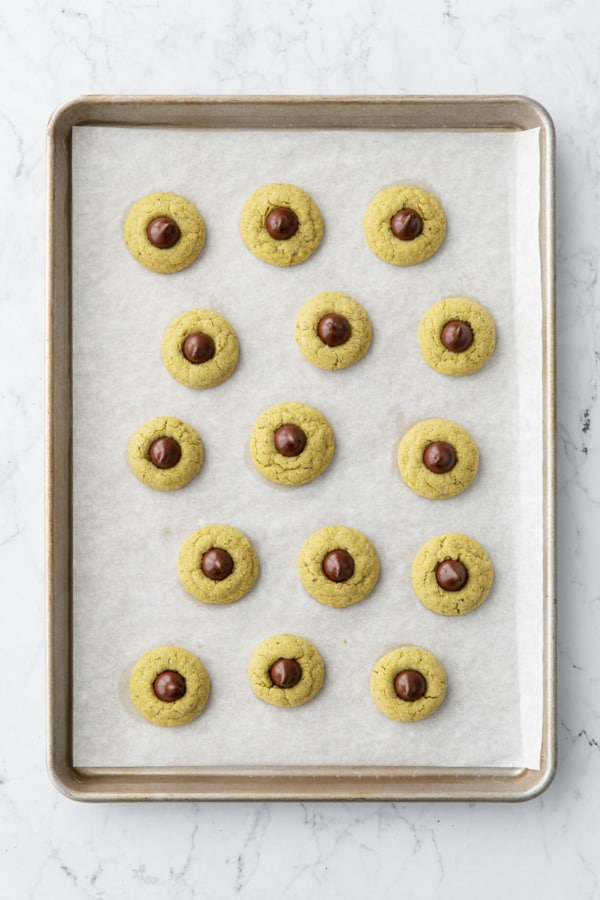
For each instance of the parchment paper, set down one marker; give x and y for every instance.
(127, 597)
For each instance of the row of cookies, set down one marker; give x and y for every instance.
(293, 443)
(451, 574)
(282, 225)
(333, 331)
(170, 685)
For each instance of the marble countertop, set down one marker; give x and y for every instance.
(51, 847)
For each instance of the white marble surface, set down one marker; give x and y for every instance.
(53, 848)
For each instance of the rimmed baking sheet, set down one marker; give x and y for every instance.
(126, 597)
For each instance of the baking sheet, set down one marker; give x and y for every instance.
(127, 597)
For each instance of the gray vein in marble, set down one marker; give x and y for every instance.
(448, 14)
(248, 858)
(18, 139)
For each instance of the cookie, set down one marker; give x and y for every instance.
(408, 684)
(281, 224)
(286, 670)
(457, 336)
(338, 566)
(438, 459)
(164, 232)
(217, 564)
(333, 331)
(200, 348)
(404, 225)
(452, 574)
(169, 686)
(165, 453)
(291, 443)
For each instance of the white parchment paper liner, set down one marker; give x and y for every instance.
(127, 597)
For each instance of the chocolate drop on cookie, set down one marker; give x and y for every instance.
(216, 564)
(406, 224)
(439, 457)
(164, 452)
(457, 336)
(289, 440)
(198, 348)
(410, 685)
(451, 575)
(163, 232)
(169, 686)
(285, 673)
(334, 329)
(282, 223)
(338, 565)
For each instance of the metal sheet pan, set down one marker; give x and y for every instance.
(289, 783)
